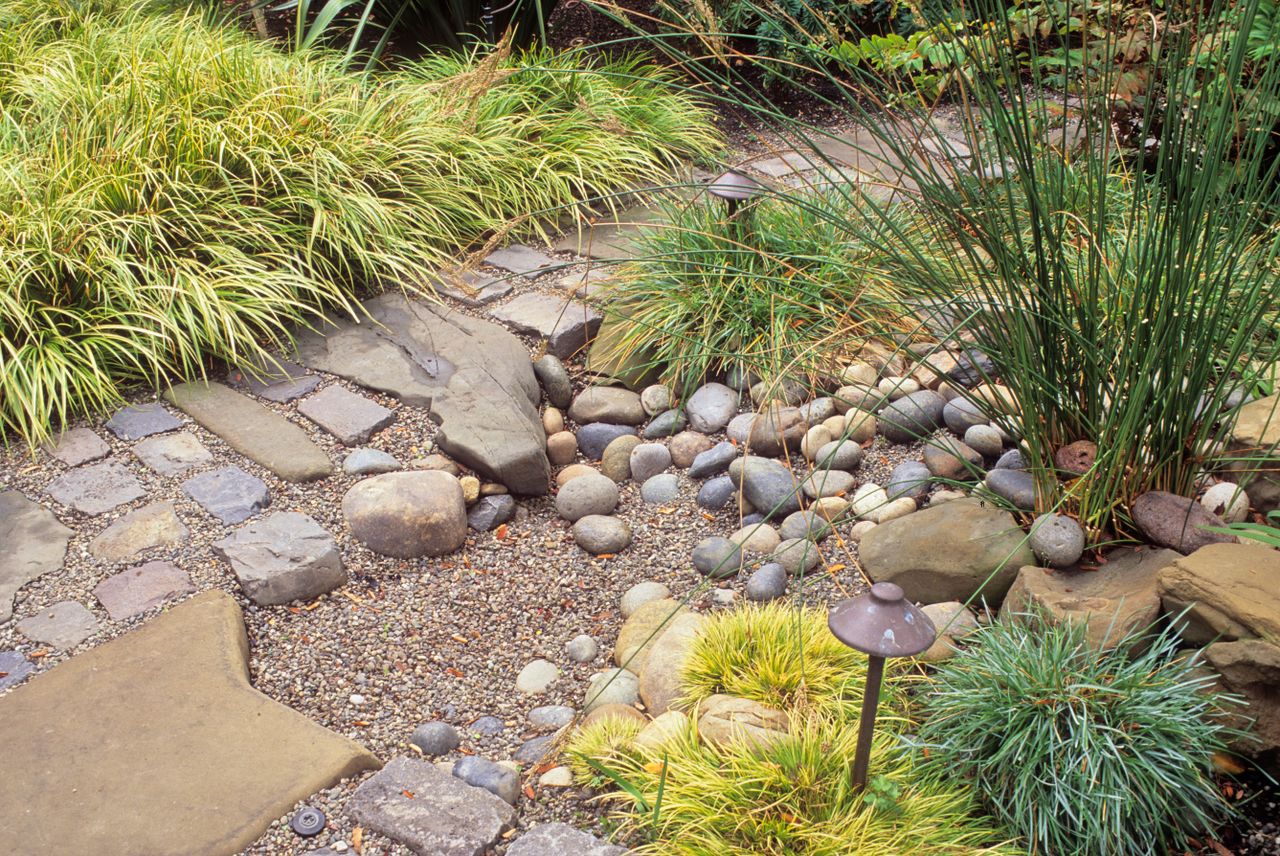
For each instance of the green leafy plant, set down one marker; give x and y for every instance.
(1078, 750)
(173, 191)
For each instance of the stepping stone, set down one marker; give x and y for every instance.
(352, 418)
(78, 446)
(472, 290)
(283, 557)
(142, 420)
(561, 839)
(154, 525)
(63, 625)
(788, 163)
(229, 494)
(473, 376)
(172, 454)
(261, 435)
(429, 811)
(138, 589)
(610, 237)
(180, 755)
(275, 380)
(521, 260)
(13, 668)
(566, 325)
(34, 544)
(96, 488)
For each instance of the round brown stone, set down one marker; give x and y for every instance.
(1076, 458)
(408, 514)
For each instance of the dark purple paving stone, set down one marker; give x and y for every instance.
(96, 488)
(350, 417)
(136, 590)
(13, 668)
(521, 260)
(472, 290)
(277, 380)
(594, 438)
(229, 493)
(142, 420)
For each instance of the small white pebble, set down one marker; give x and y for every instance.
(357, 699)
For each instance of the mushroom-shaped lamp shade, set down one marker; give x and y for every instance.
(882, 623)
(734, 186)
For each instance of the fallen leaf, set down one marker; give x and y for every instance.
(408, 794)
(294, 610)
(710, 517)
(36, 655)
(653, 767)
(501, 532)
(361, 723)
(529, 792)
(1224, 763)
(357, 839)
(836, 568)
(457, 638)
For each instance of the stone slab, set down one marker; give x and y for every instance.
(154, 525)
(283, 557)
(181, 755)
(472, 290)
(13, 668)
(566, 325)
(142, 420)
(474, 377)
(252, 430)
(561, 839)
(610, 237)
(229, 493)
(429, 811)
(521, 260)
(78, 446)
(64, 625)
(275, 379)
(35, 543)
(1230, 591)
(172, 454)
(96, 488)
(350, 417)
(136, 590)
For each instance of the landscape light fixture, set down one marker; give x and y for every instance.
(734, 188)
(881, 623)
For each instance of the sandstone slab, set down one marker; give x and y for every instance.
(181, 756)
(259, 434)
(64, 625)
(78, 446)
(1251, 668)
(96, 488)
(138, 589)
(172, 454)
(1256, 436)
(1233, 591)
(352, 418)
(146, 528)
(283, 557)
(473, 376)
(34, 542)
(566, 325)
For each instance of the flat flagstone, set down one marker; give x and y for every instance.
(142, 420)
(471, 289)
(96, 488)
(352, 418)
(610, 237)
(561, 839)
(259, 434)
(172, 454)
(13, 668)
(78, 446)
(283, 557)
(566, 325)
(156, 743)
(277, 379)
(138, 589)
(474, 377)
(154, 525)
(229, 493)
(64, 625)
(521, 260)
(787, 163)
(34, 544)
(430, 811)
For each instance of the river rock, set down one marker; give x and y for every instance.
(909, 478)
(948, 458)
(593, 439)
(711, 407)
(660, 684)
(797, 556)
(599, 534)
(649, 459)
(665, 488)
(766, 583)
(713, 461)
(1057, 540)
(688, 445)
(717, 557)
(607, 404)
(554, 379)
(490, 512)
(1177, 522)
(911, 417)
(1017, 487)
(588, 494)
(777, 432)
(839, 455)
(615, 461)
(726, 721)
(407, 515)
(665, 424)
(767, 484)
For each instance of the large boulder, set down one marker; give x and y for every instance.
(473, 376)
(1251, 668)
(407, 515)
(640, 632)
(948, 552)
(1121, 596)
(1233, 591)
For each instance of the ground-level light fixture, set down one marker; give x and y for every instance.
(881, 623)
(734, 188)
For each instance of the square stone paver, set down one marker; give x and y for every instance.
(472, 289)
(145, 528)
(352, 418)
(521, 260)
(138, 589)
(566, 325)
(228, 493)
(172, 454)
(78, 446)
(275, 380)
(142, 420)
(63, 625)
(96, 488)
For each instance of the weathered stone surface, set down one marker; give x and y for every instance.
(612, 687)
(228, 493)
(711, 407)
(175, 728)
(34, 544)
(566, 325)
(713, 461)
(172, 454)
(473, 376)
(911, 417)
(607, 404)
(283, 557)
(407, 515)
(1118, 598)
(640, 632)
(142, 420)
(96, 488)
(154, 525)
(777, 431)
(767, 484)
(64, 625)
(660, 684)
(1256, 433)
(275, 379)
(138, 589)
(909, 478)
(472, 289)
(78, 446)
(725, 720)
(13, 668)
(352, 418)
(555, 381)
(600, 534)
(647, 460)
(947, 552)
(491, 512)
(1251, 668)
(561, 839)
(1177, 522)
(615, 460)
(261, 435)
(521, 260)
(589, 494)
(369, 462)
(1017, 487)
(1233, 591)
(688, 445)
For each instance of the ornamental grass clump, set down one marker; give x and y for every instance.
(1076, 750)
(688, 797)
(173, 191)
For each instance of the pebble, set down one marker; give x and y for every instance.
(686, 446)
(613, 686)
(660, 489)
(724, 597)
(804, 524)
(487, 726)
(859, 426)
(572, 472)
(766, 583)
(796, 556)
(985, 440)
(912, 417)
(533, 751)
(537, 677)
(715, 493)
(859, 372)
(839, 455)
(739, 428)
(867, 501)
(909, 478)
(649, 459)
(1018, 487)
(470, 489)
(711, 407)
(1057, 540)
(717, 557)
(656, 398)
(552, 421)
(814, 439)
(551, 717)
(581, 649)
(1228, 501)
(665, 424)
(861, 528)
(562, 448)
(640, 594)
(713, 461)
(1011, 460)
(961, 414)
(600, 535)
(557, 777)
(757, 538)
(593, 439)
(590, 493)
(555, 381)
(825, 483)
(948, 458)
(818, 411)
(616, 460)
(894, 388)
(435, 738)
(368, 462)
(483, 773)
